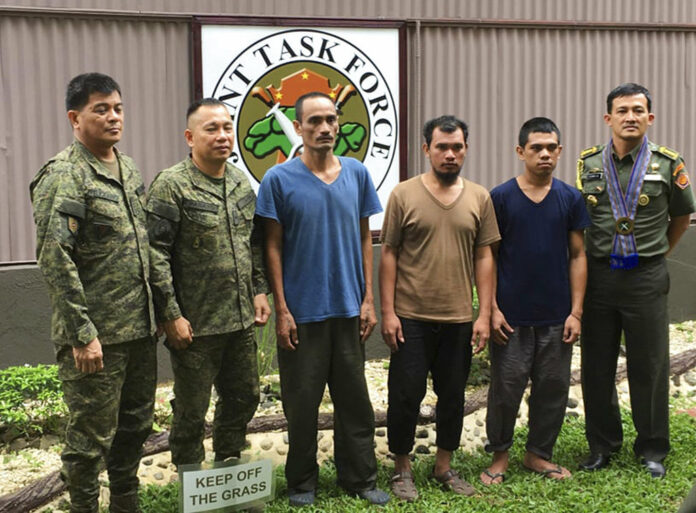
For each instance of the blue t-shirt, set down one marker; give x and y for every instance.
(322, 255)
(533, 281)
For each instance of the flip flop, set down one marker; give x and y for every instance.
(493, 476)
(451, 481)
(547, 472)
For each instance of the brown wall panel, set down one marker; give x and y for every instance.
(38, 56)
(496, 78)
(635, 11)
(494, 74)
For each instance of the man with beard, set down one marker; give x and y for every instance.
(437, 234)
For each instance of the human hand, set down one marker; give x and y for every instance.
(179, 333)
(500, 329)
(262, 310)
(571, 329)
(286, 330)
(391, 331)
(480, 334)
(368, 319)
(89, 358)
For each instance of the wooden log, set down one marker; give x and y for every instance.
(48, 487)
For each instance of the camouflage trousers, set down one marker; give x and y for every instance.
(110, 416)
(228, 362)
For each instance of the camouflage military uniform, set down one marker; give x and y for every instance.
(207, 265)
(630, 300)
(93, 251)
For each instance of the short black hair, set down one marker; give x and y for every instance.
(539, 124)
(447, 124)
(628, 89)
(203, 102)
(307, 96)
(82, 86)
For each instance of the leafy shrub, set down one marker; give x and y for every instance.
(31, 399)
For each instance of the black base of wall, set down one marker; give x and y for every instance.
(25, 311)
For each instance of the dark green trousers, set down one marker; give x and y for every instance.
(228, 362)
(329, 352)
(110, 416)
(633, 302)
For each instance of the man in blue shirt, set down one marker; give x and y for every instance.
(319, 259)
(537, 309)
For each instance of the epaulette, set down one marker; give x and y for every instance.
(590, 151)
(667, 152)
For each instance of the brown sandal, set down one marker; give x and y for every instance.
(450, 480)
(403, 487)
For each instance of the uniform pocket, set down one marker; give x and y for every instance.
(594, 187)
(198, 229)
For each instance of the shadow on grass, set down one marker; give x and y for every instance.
(622, 488)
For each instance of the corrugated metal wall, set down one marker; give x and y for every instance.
(633, 11)
(38, 56)
(494, 74)
(498, 78)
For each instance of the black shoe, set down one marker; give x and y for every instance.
(656, 468)
(595, 462)
(374, 496)
(299, 498)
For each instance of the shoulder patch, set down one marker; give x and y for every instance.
(589, 151)
(163, 209)
(72, 208)
(667, 152)
(248, 198)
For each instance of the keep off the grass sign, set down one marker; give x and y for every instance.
(226, 487)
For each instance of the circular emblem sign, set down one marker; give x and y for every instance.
(261, 84)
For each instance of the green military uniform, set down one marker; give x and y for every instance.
(207, 265)
(630, 300)
(92, 248)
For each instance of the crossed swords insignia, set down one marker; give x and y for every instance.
(624, 226)
(288, 130)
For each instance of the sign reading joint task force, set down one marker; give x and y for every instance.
(259, 72)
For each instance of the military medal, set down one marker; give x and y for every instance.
(654, 167)
(592, 200)
(624, 254)
(624, 226)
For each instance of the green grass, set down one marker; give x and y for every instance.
(622, 488)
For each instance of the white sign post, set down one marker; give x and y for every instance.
(225, 487)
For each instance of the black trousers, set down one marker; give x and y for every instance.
(633, 302)
(328, 352)
(444, 350)
(537, 353)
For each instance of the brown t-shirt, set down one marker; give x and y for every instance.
(435, 246)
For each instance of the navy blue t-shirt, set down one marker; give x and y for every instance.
(533, 282)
